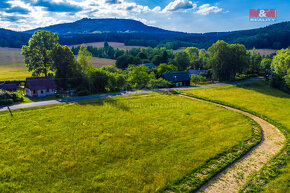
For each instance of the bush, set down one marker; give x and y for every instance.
(83, 92)
(276, 81)
(6, 102)
(10, 98)
(158, 83)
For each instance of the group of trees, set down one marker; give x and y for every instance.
(105, 52)
(280, 74)
(45, 56)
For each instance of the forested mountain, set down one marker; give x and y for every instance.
(12, 39)
(135, 33)
(93, 26)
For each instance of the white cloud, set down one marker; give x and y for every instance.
(156, 9)
(206, 9)
(40, 16)
(180, 5)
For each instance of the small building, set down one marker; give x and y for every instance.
(197, 72)
(148, 65)
(180, 78)
(8, 87)
(39, 87)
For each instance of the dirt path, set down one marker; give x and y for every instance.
(233, 178)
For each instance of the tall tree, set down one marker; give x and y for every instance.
(254, 62)
(84, 59)
(226, 60)
(192, 54)
(65, 66)
(182, 60)
(281, 65)
(37, 54)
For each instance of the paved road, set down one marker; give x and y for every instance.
(84, 98)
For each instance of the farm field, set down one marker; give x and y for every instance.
(99, 62)
(265, 52)
(113, 44)
(258, 97)
(121, 144)
(12, 65)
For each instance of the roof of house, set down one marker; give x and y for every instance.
(40, 83)
(148, 65)
(176, 76)
(8, 86)
(197, 72)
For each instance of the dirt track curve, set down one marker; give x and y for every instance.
(234, 177)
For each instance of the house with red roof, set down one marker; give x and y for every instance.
(39, 87)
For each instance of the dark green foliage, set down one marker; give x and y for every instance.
(225, 60)
(38, 53)
(8, 98)
(99, 80)
(163, 68)
(157, 59)
(105, 52)
(125, 60)
(182, 60)
(66, 67)
(158, 83)
(280, 77)
(254, 62)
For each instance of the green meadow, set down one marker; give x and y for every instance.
(258, 97)
(12, 65)
(135, 143)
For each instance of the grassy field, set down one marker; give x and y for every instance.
(258, 97)
(123, 144)
(12, 65)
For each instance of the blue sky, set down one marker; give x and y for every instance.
(180, 15)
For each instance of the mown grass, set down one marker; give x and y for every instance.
(124, 144)
(260, 98)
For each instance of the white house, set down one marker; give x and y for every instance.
(39, 87)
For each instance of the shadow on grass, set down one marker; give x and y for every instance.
(263, 87)
(102, 101)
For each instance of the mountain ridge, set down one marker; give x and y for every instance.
(136, 33)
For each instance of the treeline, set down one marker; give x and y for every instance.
(222, 61)
(105, 52)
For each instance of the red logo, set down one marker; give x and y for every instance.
(263, 13)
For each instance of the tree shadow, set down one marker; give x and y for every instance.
(263, 87)
(103, 101)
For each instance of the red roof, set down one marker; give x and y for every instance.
(40, 83)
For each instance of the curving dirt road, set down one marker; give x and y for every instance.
(233, 178)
